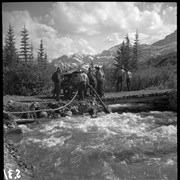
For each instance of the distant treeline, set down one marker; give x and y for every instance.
(156, 73)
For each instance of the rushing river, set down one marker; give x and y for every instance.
(114, 146)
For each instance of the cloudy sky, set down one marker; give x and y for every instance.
(88, 27)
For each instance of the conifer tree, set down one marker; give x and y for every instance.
(127, 53)
(136, 52)
(10, 53)
(31, 57)
(41, 54)
(25, 46)
(45, 58)
(120, 57)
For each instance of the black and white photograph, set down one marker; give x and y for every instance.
(89, 90)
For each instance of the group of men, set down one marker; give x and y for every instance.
(94, 78)
(122, 74)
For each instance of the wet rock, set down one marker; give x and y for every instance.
(5, 129)
(74, 110)
(43, 114)
(53, 105)
(68, 113)
(109, 109)
(92, 112)
(24, 128)
(34, 105)
(37, 106)
(10, 102)
(8, 120)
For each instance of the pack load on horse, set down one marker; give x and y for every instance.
(69, 83)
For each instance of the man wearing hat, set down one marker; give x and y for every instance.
(100, 77)
(56, 78)
(128, 76)
(82, 81)
(120, 76)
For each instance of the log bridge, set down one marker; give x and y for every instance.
(140, 100)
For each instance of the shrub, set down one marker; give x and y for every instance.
(146, 78)
(27, 80)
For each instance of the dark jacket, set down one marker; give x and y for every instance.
(56, 78)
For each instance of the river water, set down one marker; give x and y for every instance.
(137, 146)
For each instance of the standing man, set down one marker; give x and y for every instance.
(100, 77)
(120, 75)
(87, 82)
(56, 78)
(82, 80)
(92, 80)
(128, 76)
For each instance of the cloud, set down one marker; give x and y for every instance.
(55, 44)
(90, 27)
(170, 15)
(108, 17)
(115, 38)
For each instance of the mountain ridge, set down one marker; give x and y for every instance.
(161, 47)
(168, 39)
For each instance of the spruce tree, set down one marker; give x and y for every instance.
(136, 52)
(41, 54)
(127, 53)
(25, 46)
(45, 58)
(10, 53)
(120, 57)
(31, 57)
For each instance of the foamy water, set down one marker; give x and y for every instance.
(111, 146)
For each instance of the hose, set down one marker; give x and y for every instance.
(59, 108)
(105, 108)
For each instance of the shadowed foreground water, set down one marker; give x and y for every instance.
(116, 146)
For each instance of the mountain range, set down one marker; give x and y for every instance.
(161, 47)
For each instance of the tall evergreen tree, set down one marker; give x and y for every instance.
(41, 54)
(31, 56)
(10, 53)
(45, 59)
(127, 52)
(120, 57)
(136, 52)
(25, 46)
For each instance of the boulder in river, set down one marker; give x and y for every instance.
(68, 113)
(43, 114)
